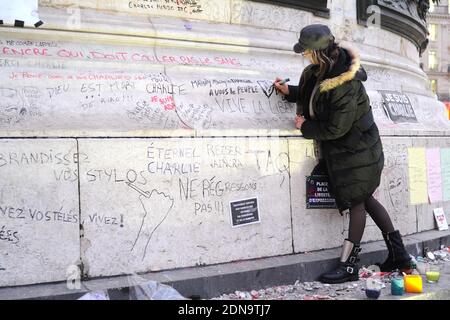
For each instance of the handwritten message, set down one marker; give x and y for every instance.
(417, 175)
(434, 177)
(445, 169)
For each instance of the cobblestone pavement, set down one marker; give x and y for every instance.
(356, 290)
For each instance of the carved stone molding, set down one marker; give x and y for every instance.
(317, 7)
(415, 8)
(406, 18)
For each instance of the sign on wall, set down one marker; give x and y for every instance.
(244, 212)
(317, 194)
(441, 221)
(398, 107)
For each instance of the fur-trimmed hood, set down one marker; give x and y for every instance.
(348, 67)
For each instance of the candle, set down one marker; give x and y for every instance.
(413, 283)
(397, 286)
(373, 293)
(373, 288)
(432, 276)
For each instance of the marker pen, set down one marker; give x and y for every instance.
(284, 81)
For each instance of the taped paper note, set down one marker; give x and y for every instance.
(434, 177)
(445, 171)
(417, 175)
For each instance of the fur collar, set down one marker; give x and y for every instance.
(348, 75)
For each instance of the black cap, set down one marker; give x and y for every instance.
(314, 37)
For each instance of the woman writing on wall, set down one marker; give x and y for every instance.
(334, 110)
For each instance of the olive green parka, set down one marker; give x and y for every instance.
(343, 125)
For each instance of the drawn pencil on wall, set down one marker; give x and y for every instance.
(157, 206)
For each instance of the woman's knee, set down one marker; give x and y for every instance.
(358, 207)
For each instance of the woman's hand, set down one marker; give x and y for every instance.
(283, 88)
(299, 121)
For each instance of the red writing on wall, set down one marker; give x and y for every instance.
(166, 102)
(119, 56)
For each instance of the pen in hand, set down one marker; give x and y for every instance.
(281, 82)
(280, 85)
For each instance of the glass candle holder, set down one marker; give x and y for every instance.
(373, 288)
(432, 274)
(413, 283)
(397, 286)
(421, 267)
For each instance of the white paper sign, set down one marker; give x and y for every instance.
(96, 295)
(440, 219)
(23, 10)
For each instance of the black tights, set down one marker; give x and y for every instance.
(358, 219)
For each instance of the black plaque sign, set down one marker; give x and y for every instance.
(317, 194)
(244, 212)
(398, 107)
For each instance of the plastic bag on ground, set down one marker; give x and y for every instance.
(96, 295)
(153, 290)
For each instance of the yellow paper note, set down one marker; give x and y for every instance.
(417, 175)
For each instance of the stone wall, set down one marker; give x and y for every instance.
(127, 133)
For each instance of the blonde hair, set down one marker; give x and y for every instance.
(324, 58)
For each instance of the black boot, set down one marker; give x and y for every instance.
(347, 270)
(398, 257)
